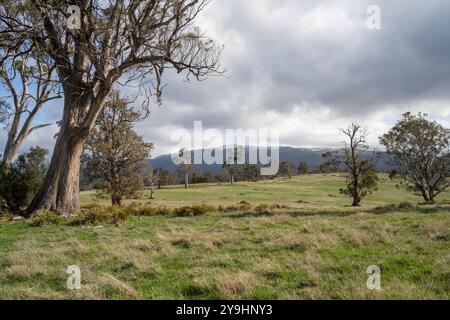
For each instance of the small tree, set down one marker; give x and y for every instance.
(166, 178)
(287, 168)
(362, 179)
(303, 167)
(152, 180)
(420, 149)
(251, 172)
(185, 171)
(115, 156)
(331, 164)
(20, 181)
(232, 164)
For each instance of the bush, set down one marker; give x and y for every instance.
(241, 206)
(6, 216)
(44, 219)
(119, 216)
(195, 210)
(405, 205)
(262, 207)
(148, 211)
(100, 215)
(21, 181)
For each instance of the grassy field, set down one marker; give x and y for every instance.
(314, 247)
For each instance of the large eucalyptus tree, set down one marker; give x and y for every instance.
(95, 44)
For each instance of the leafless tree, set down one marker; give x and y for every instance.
(152, 180)
(116, 42)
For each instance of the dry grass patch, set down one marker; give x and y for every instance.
(144, 245)
(436, 230)
(268, 268)
(235, 286)
(25, 272)
(112, 286)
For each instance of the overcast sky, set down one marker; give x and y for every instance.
(307, 67)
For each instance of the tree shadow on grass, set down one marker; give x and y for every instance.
(294, 214)
(404, 208)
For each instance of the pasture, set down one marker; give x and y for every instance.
(304, 242)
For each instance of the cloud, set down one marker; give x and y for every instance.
(308, 67)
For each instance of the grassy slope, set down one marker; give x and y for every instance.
(318, 249)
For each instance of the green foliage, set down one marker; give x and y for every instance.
(148, 210)
(194, 210)
(115, 157)
(331, 163)
(166, 178)
(251, 172)
(362, 179)
(101, 215)
(367, 184)
(421, 150)
(287, 168)
(203, 177)
(20, 182)
(46, 219)
(303, 167)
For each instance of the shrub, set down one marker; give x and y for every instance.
(405, 205)
(44, 219)
(241, 206)
(195, 210)
(148, 211)
(278, 206)
(21, 181)
(119, 216)
(262, 208)
(7, 216)
(92, 206)
(96, 216)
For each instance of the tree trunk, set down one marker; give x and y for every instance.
(186, 180)
(425, 195)
(355, 202)
(11, 147)
(431, 196)
(8, 156)
(60, 190)
(116, 199)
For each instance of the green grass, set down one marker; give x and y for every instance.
(318, 190)
(315, 248)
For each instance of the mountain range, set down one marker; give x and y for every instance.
(311, 156)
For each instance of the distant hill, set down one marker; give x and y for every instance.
(312, 156)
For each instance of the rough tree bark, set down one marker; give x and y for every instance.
(60, 190)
